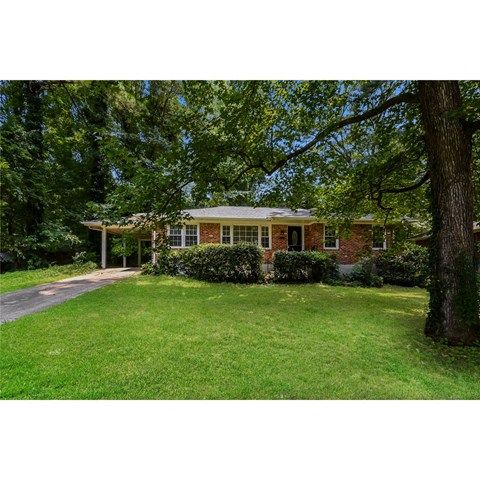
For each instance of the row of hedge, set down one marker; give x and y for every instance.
(242, 263)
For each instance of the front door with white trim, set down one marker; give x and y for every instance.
(294, 239)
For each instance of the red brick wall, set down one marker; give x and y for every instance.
(279, 241)
(314, 236)
(350, 248)
(210, 233)
(346, 254)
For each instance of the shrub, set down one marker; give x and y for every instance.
(409, 267)
(211, 262)
(239, 263)
(169, 262)
(302, 267)
(81, 258)
(363, 273)
(149, 268)
(36, 263)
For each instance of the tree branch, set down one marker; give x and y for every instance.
(401, 98)
(373, 112)
(410, 187)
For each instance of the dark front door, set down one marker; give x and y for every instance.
(294, 239)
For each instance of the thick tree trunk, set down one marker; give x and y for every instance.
(453, 313)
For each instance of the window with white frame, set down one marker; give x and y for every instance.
(378, 238)
(182, 236)
(175, 235)
(265, 238)
(191, 235)
(234, 234)
(330, 238)
(245, 234)
(226, 234)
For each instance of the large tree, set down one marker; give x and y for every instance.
(420, 136)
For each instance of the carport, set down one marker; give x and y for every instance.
(119, 231)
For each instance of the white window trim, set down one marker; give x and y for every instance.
(231, 225)
(184, 235)
(384, 239)
(337, 240)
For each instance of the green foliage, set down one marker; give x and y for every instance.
(36, 263)
(303, 267)
(149, 268)
(363, 273)
(82, 258)
(168, 263)
(239, 263)
(407, 266)
(125, 245)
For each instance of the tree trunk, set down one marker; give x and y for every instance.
(454, 309)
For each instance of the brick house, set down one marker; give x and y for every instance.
(272, 228)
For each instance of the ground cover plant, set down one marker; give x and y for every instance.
(159, 337)
(11, 281)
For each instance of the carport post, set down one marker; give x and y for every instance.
(104, 247)
(139, 250)
(124, 257)
(154, 246)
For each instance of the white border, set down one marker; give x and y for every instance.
(184, 234)
(337, 240)
(259, 225)
(384, 238)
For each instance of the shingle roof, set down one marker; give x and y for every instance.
(260, 213)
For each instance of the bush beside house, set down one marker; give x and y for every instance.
(363, 273)
(408, 267)
(303, 267)
(241, 263)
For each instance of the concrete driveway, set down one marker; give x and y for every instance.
(17, 304)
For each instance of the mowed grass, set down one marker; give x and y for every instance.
(171, 338)
(11, 281)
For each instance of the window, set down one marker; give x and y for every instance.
(330, 240)
(191, 237)
(232, 234)
(378, 238)
(226, 237)
(185, 236)
(245, 233)
(265, 237)
(175, 236)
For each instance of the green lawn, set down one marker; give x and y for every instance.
(11, 281)
(159, 337)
